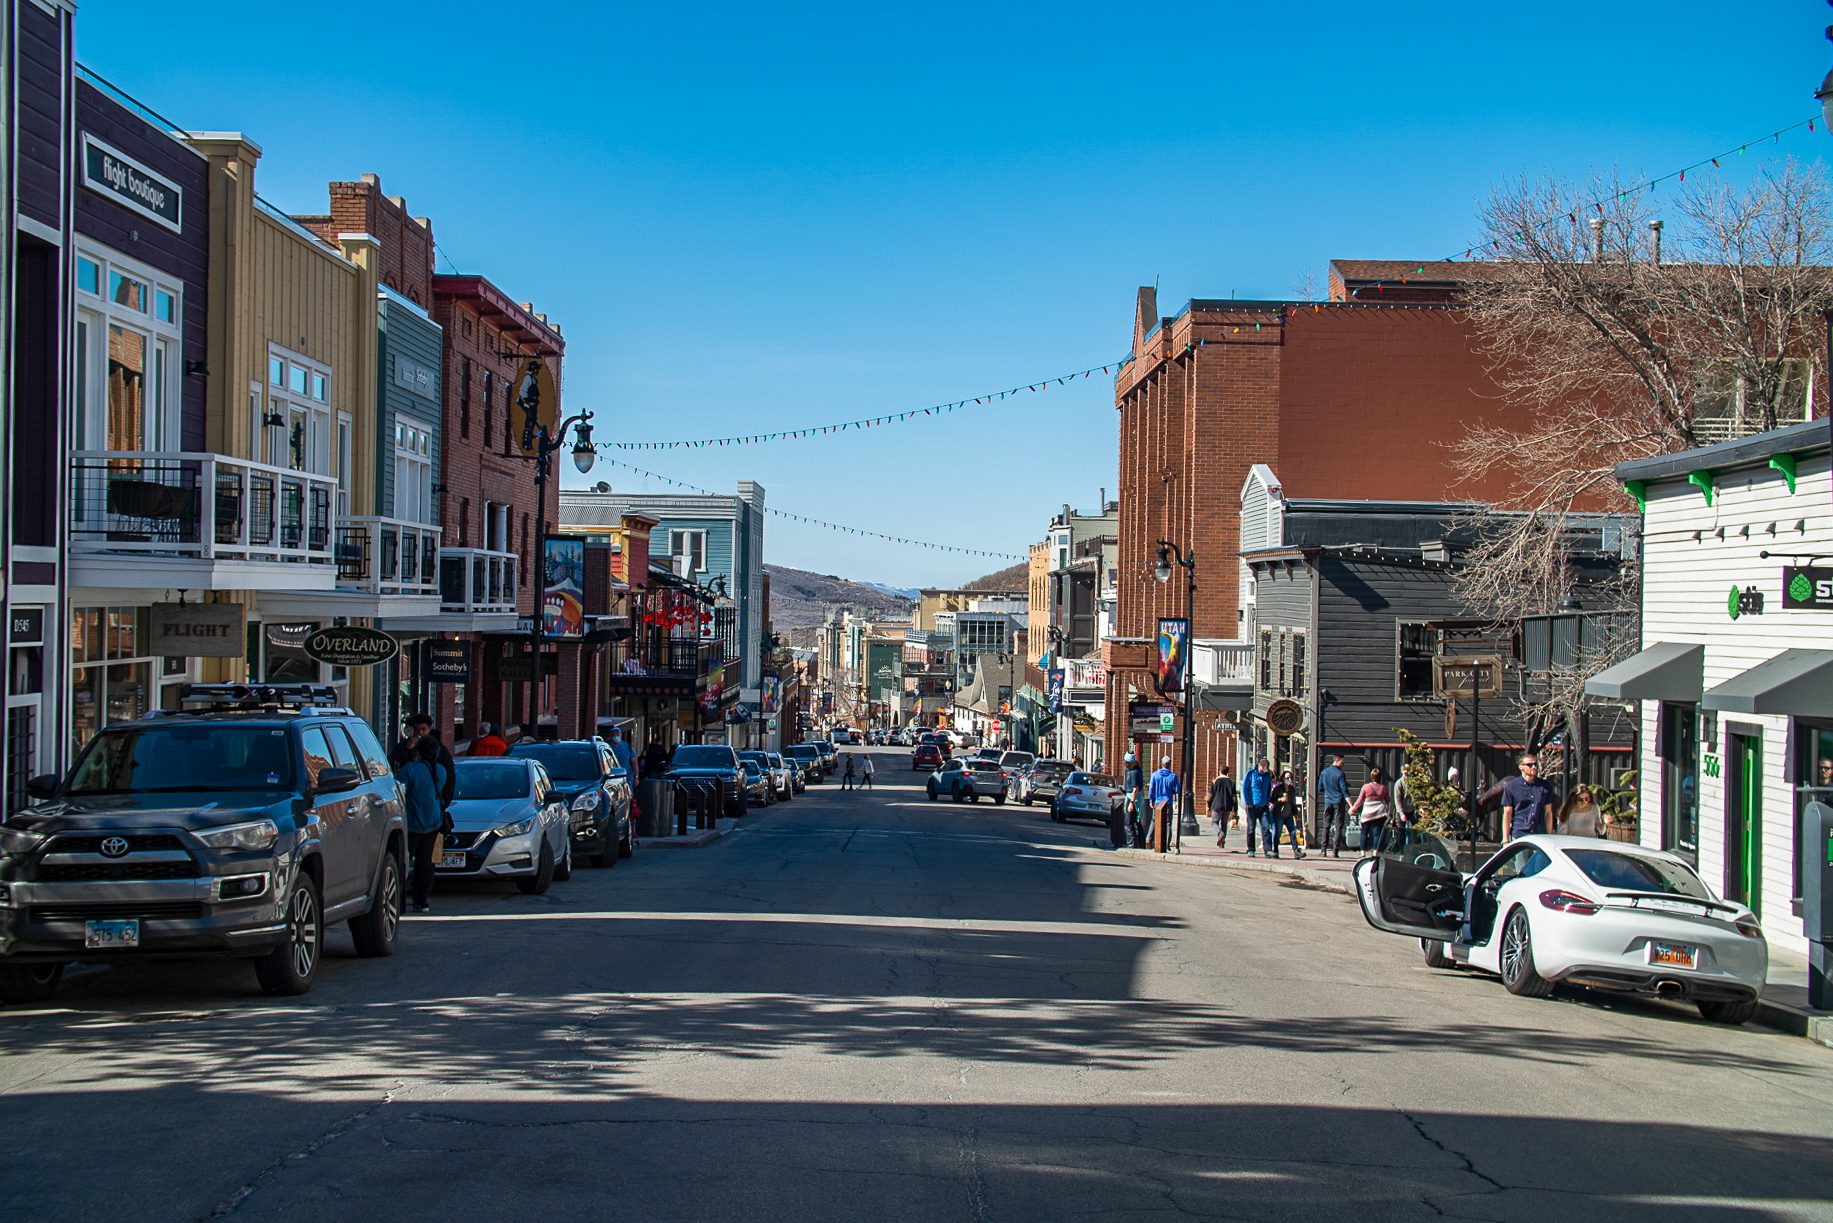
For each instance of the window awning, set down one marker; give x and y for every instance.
(1665, 671)
(1796, 683)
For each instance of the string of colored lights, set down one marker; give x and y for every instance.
(868, 422)
(822, 522)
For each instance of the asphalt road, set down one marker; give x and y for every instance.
(871, 1007)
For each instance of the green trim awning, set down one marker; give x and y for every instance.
(1665, 671)
(1795, 683)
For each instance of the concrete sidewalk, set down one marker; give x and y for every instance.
(1785, 993)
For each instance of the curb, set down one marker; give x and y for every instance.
(693, 840)
(1775, 1016)
(1329, 880)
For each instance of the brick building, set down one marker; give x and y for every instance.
(484, 489)
(1345, 398)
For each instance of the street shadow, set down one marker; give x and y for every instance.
(439, 1156)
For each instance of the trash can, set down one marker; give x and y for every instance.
(655, 800)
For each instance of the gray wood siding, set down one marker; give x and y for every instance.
(1361, 603)
(38, 129)
(185, 257)
(406, 334)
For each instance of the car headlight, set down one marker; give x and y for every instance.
(587, 802)
(259, 834)
(516, 829)
(18, 840)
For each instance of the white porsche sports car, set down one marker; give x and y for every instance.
(1549, 909)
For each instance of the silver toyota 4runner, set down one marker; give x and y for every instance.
(244, 825)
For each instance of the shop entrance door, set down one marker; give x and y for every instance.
(1744, 820)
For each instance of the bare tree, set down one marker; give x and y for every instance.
(1628, 338)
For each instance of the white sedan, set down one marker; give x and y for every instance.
(508, 822)
(1547, 909)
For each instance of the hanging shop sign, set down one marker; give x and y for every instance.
(196, 630)
(1173, 654)
(1806, 588)
(563, 599)
(447, 662)
(1285, 716)
(132, 185)
(534, 406)
(352, 646)
(1479, 675)
(1145, 720)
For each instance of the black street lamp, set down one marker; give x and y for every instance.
(1170, 554)
(545, 446)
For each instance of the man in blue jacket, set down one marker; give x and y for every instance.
(1256, 795)
(1333, 791)
(1163, 792)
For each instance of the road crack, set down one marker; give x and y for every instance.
(324, 1138)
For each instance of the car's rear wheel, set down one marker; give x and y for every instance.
(563, 869)
(1000, 799)
(29, 982)
(932, 791)
(607, 857)
(539, 882)
(1728, 1012)
(292, 965)
(957, 795)
(374, 932)
(626, 845)
(1518, 974)
(1435, 953)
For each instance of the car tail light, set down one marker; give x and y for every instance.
(1748, 927)
(1071, 792)
(1567, 902)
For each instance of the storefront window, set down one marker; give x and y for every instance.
(1679, 751)
(113, 678)
(286, 661)
(1813, 778)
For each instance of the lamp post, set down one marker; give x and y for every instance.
(545, 446)
(1170, 554)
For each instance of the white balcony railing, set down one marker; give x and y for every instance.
(1228, 663)
(477, 580)
(205, 506)
(388, 556)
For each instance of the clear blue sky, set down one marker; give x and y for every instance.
(750, 217)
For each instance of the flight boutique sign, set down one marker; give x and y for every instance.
(127, 182)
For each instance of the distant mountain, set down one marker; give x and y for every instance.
(902, 592)
(1013, 578)
(800, 599)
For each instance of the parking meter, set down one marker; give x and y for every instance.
(1817, 902)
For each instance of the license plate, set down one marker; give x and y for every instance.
(1671, 955)
(109, 935)
(452, 860)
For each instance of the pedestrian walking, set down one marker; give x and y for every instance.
(1224, 801)
(865, 772)
(1256, 793)
(1581, 817)
(846, 776)
(422, 778)
(419, 727)
(488, 742)
(1527, 801)
(1164, 791)
(1373, 805)
(621, 750)
(1283, 815)
(1333, 792)
(1134, 783)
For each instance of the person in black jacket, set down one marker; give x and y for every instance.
(1224, 801)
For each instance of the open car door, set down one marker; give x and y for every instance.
(1413, 888)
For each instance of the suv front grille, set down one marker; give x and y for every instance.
(112, 872)
(91, 843)
(104, 910)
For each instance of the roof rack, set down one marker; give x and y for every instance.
(307, 698)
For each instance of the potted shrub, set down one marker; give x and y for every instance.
(1622, 820)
